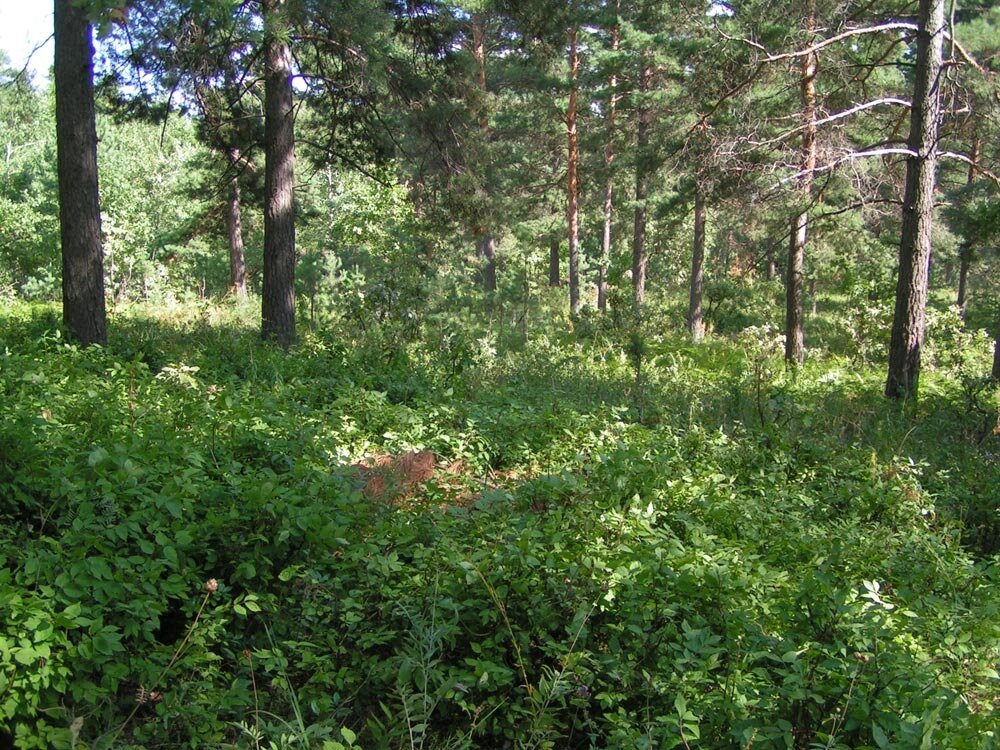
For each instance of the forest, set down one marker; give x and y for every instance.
(503, 374)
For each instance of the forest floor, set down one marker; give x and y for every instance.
(453, 536)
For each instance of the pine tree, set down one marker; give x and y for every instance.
(84, 311)
(918, 206)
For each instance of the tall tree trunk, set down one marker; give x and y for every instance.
(644, 116)
(965, 251)
(572, 180)
(609, 186)
(918, 207)
(278, 307)
(996, 350)
(964, 261)
(696, 326)
(234, 225)
(486, 244)
(554, 279)
(84, 311)
(486, 247)
(794, 340)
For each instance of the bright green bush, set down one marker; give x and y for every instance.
(588, 578)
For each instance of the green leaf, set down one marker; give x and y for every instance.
(25, 655)
(879, 735)
(97, 456)
(170, 554)
(680, 704)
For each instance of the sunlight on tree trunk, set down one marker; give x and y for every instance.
(696, 326)
(234, 226)
(609, 186)
(572, 180)
(996, 350)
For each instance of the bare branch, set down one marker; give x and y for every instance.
(853, 156)
(891, 26)
(833, 118)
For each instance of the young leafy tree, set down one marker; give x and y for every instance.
(29, 214)
(201, 59)
(84, 311)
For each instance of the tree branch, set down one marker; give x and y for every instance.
(833, 118)
(853, 156)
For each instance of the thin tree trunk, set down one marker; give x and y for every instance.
(486, 244)
(640, 256)
(84, 309)
(609, 186)
(996, 350)
(964, 261)
(237, 258)
(486, 247)
(965, 251)
(794, 339)
(696, 326)
(278, 307)
(771, 265)
(479, 55)
(572, 180)
(554, 279)
(918, 206)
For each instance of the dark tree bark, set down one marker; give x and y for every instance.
(696, 326)
(84, 310)
(918, 206)
(278, 307)
(794, 340)
(554, 279)
(640, 256)
(572, 179)
(234, 226)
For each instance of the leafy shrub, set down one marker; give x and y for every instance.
(583, 579)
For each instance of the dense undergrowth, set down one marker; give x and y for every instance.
(637, 542)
